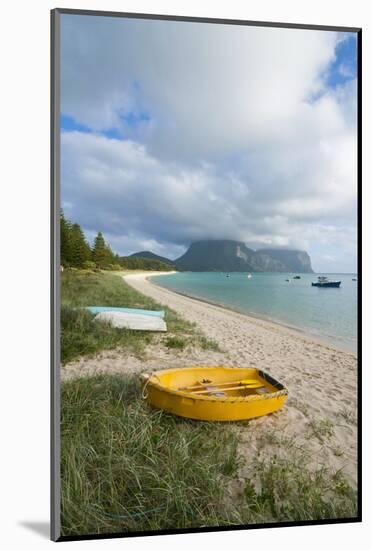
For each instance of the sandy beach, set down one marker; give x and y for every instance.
(320, 417)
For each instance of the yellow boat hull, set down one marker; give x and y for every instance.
(214, 393)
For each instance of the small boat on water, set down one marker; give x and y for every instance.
(249, 276)
(324, 282)
(287, 280)
(214, 393)
(354, 279)
(297, 277)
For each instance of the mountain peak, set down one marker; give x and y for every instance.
(229, 255)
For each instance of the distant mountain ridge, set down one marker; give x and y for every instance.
(228, 255)
(151, 256)
(295, 260)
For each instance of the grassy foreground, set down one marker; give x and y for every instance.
(126, 467)
(81, 335)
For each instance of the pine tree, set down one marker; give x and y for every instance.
(110, 256)
(65, 235)
(99, 253)
(75, 250)
(80, 250)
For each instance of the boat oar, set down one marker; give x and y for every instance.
(245, 382)
(218, 389)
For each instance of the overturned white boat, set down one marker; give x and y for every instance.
(133, 321)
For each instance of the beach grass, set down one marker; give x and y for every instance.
(289, 490)
(127, 467)
(82, 335)
(322, 429)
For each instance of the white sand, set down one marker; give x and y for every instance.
(320, 414)
(321, 379)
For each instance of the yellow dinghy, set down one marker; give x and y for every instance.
(214, 393)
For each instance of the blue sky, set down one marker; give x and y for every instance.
(344, 67)
(173, 132)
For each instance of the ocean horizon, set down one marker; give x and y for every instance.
(328, 314)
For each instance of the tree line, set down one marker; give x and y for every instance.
(77, 252)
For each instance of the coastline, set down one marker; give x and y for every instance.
(321, 411)
(306, 335)
(319, 420)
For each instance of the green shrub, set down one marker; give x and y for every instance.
(146, 264)
(176, 343)
(88, 265)
(113, 267)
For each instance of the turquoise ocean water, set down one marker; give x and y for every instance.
(326, 313)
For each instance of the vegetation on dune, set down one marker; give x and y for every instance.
(289, 490)
(80, 288)
(126, 467)
(82, 335)
(130, 262)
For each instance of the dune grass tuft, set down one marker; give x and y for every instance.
(290, 491)
(127, 467)
(81, 335)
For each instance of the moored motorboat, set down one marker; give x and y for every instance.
(324, 282)
(214, 393)
(297, 277)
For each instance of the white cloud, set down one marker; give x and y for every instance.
(208, 89)
(230, 132)
(141, 202)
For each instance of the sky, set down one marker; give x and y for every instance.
(173, 132)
